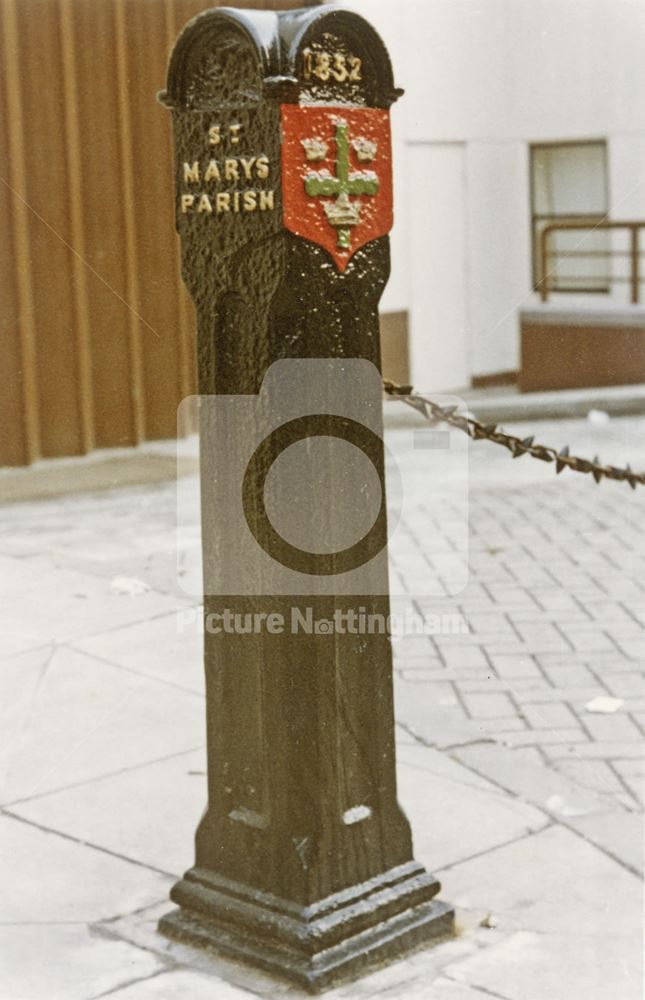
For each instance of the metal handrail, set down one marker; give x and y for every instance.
(632, 226)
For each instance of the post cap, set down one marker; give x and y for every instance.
(227, 57)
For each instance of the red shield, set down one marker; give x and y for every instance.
(337, 176)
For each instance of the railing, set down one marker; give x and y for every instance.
(550, 280)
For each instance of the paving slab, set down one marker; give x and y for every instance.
(452, 819)
(86, 718)
(181, 984)
(90, 526)
(168, 648)
(533, 782)
(20, 675)
(440, 989)
(124, 531)
(548, 966)
(551, 882)
(46, 604)
(600, 819)
(66, 962)
(620, 834)
(148, 813)
(434, 726)
(416, 756)
(52, 879)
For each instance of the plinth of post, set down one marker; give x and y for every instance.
(304, 862)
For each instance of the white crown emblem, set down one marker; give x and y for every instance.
(365, 149)
(342, 212)
(315, 149)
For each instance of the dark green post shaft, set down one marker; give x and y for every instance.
(304, 860)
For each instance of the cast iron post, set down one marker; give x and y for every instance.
(304, 861)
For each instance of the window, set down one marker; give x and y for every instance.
(569, 184)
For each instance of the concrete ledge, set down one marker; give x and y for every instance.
(496, 406)
(100, 470)
(609, 316)
(619, 401)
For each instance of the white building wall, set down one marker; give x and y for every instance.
(497, 75)
(499, 247)
(438, 312)
(626, 154)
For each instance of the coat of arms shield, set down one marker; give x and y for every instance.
(337, 176)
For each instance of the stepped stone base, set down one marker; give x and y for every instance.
(315, 946)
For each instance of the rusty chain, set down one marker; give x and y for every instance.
(517, 446)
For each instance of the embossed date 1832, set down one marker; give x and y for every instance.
(324, 66)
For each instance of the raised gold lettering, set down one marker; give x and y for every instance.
(247, 166)
(330, 65)
(230, 170)
(223, 201)
(266, 200)
(307, 64)
(212, 171)
(214, 135)
(339, 70)
(250, 201)
(205, 205)
(262, 167)
(187, 201)
(323, 66)
(191, 173)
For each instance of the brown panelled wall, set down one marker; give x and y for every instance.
(97, 331)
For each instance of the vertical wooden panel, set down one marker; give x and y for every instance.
(23, 348)
(128, 166)
(14, 447)
(74, 192)
(151, 218)
(43, 108)
(98, 342)
(105, 238)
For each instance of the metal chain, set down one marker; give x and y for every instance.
(517, 446)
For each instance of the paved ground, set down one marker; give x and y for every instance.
(554, 660)
(524, 797)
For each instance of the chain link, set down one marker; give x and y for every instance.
(517, 446)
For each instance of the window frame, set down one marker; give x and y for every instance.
(538, 217)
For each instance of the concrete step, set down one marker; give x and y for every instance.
(508, 404)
